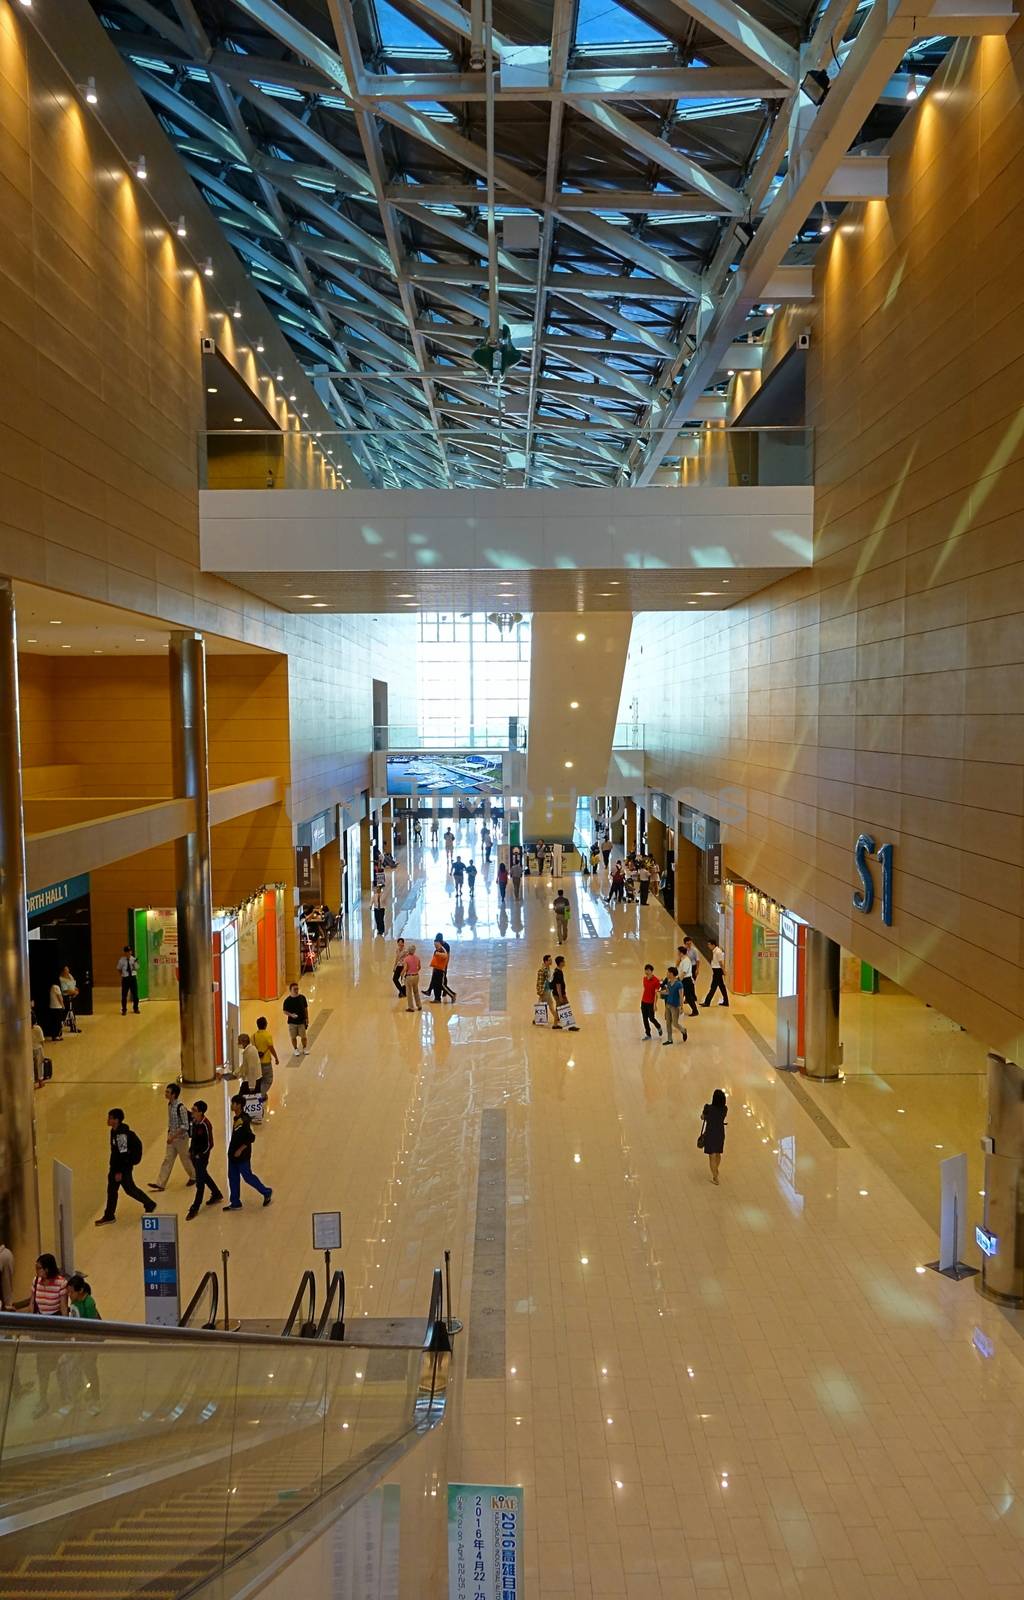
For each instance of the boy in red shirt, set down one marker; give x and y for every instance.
(650, 994)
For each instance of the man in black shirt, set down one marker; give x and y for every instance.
(296, 1009)
(200, 1148)
(125, 1155)
(240, 1143)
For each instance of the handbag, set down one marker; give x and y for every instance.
(700, 1136)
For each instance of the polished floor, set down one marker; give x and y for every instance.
(747, 1391)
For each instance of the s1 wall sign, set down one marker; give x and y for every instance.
(864, 897)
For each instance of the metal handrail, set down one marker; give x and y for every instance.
(437, 1339)
(306, 1291)
(336, 1291)
(82, 1327)
(210, 1281)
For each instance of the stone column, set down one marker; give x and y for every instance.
(19, 1187)
(823, 1054)
(194, 902)
(1002, 1275)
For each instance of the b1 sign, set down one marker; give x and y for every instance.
(485, 1542)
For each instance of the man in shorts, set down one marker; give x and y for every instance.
(296, 1009)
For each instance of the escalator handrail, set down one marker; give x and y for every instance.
(210, 1281)
(336, 1291)
(83, 1328)
(306, 1292)
(437, 1337)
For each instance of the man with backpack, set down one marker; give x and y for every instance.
(125, 1155)
(200, 1149)
(178, 1129)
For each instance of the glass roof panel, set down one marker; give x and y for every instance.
(601, 22)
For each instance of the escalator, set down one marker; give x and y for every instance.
(163, 1462)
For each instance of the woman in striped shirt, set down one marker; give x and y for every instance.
(49, 1299)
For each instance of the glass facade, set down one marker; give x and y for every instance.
(473, 683)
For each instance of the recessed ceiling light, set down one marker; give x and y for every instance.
(139, 639)
(305, 597)
(55, 622)
(211, 388)
(208, 267)
(140, 169)
(180, 228)
(97, 652)
(574, 705)
(236, 419)
(568, 763)
(580, 638)
(236, 311)
(319, 605)
(291, 397)
(88, 89)
(731, 372)
(31, 641)
(65, 647)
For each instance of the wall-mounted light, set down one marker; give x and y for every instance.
(208, 267)
(88, 92)
(180, 228)
(259, 347)
(140, 169)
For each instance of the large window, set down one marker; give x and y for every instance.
(473, 678)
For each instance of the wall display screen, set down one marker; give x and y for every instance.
(444, 772)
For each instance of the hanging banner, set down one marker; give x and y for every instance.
(485, 1542)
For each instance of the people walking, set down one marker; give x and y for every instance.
(685, 969)
(649, 1000)
(502, 881)
(268, 1054)
(240, 1146)
(411, 978)
(378, 910)
(672, 994)
(296, 1009)
(433, 831)
(515, 872)
(595, 856)
(125, 1155)
(717, 977)
(693, 955)
(177, 1139)
(562, 910)
(201, 1149)
(398, 968)
(643, 875)
(471, 876)
(606, 851)
(544, 988)
(249, 1063)
(712, 1133)
(485, 842)
(617, 886)
(459, 874)
(449, 844)
(128, 968)
(446, 987)
(560, 994)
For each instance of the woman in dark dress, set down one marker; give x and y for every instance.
(713, 1131)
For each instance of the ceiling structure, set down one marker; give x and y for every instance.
(615, 183)
(54, 624)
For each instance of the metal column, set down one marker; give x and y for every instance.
(19, 1188)
(194, 900)
(1002, 1274)
(823, 1054)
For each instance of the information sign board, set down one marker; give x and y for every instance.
(485, 1542)
(160, 1270)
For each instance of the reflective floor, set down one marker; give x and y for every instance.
(752, 1390)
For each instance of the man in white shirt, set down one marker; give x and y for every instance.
(250, 1068)
(685, 965)
(717, 977)
(128, 967)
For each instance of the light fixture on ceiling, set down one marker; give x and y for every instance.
(65, 647)
(291, 399)
(731, 372)
(236, 419)
(88, 92)
(305, 414)
(580, 638)
(140, 169)
(816, 85)
(826, 220)
(180, 229)
(211, 388)
(31, 641)
(139, 638)
(55, 622)
(208, 267)
(305, 597)
(319, 605)
(568, 763)
(260, 347)
(574, 705)
(27, 4)
(769, 311)
(236, 311)
(913, 91)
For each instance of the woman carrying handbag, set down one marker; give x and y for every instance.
(711, 1138)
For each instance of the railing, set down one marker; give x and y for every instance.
(398, 736)
(705, 455)
(148, 1460)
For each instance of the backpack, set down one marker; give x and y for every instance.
(134, 1153)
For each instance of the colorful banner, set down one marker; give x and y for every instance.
(485, 1542)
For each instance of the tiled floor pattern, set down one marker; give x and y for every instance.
(746, 1392)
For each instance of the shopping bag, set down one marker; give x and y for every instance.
(252, 1105)
(540, 1015)
(566, 1018)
